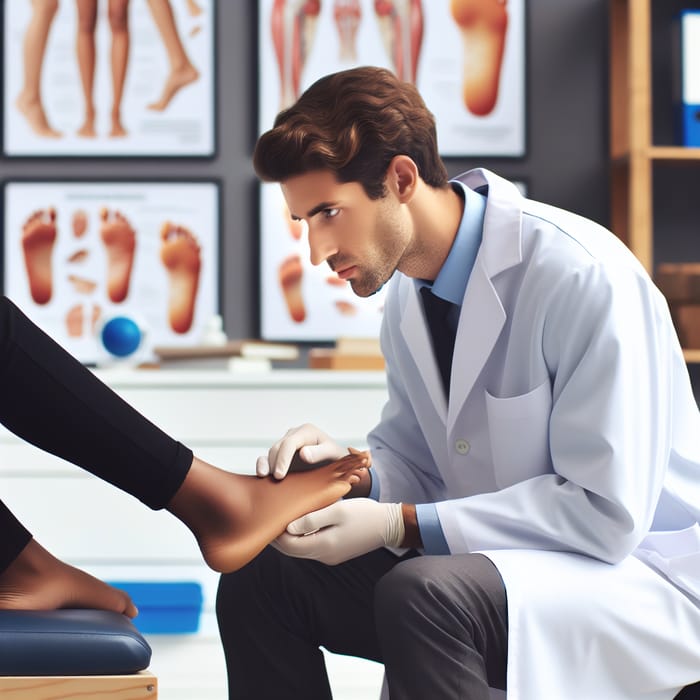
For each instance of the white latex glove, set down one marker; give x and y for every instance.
(343, 530)
(314, 445)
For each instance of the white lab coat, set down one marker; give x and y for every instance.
(569, 452)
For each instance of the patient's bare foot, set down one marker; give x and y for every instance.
(33, 111)
(234, 516)
(38, 237)
(483, 24)
(178, 79)
(181, 256)
(119, 239)
(36, 580)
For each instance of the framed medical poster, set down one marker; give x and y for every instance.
(298, 301)
(79, 253)
(467, 60)
(79, 82)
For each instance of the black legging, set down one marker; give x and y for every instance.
(51, 400)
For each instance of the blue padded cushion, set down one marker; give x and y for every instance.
(70, 643)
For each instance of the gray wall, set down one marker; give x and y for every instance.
(566, 162)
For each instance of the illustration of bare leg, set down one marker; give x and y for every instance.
(119, 26)
(119, 239)
(290, 275)
(35, 38)
(182, 259)
(347, 15)
(182, 72)
(483, 24)
(85, 50)
(38, 238)
(401, 27)
(293, 28)
(232, 516)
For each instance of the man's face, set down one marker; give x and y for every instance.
(361, 239)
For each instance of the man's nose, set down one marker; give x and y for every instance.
(321, 248)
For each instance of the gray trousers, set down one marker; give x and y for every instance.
(437, 623)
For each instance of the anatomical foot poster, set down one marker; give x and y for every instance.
(90, 79)
(466, 57)
(79, 253)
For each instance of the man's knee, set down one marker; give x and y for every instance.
(428, 586)
(401, 590)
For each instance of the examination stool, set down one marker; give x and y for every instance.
(90, 654)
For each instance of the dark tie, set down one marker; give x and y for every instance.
(441, 331)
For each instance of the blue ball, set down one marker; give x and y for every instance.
(121, 336)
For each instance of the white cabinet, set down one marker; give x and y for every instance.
(226, 419)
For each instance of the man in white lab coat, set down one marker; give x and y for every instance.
(544, 491)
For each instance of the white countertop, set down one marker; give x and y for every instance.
(124, 377)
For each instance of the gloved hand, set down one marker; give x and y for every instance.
(343, 530)
(313, 445)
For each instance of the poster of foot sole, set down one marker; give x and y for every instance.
(79, 253)
(301, 302)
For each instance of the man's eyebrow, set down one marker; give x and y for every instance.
(314, 211)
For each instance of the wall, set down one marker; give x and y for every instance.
(566, 162)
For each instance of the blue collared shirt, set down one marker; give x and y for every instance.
(450, 284)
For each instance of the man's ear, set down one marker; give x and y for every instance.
(402, 177)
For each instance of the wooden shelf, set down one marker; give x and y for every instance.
(633, 154)
(671, 153)
(660, 153)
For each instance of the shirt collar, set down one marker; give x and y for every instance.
(451, 282)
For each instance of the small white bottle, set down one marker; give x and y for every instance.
(213, 333)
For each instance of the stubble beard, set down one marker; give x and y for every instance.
(384, 260)
(368, 284)
(371, 280)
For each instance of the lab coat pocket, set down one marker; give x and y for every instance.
(519, 434)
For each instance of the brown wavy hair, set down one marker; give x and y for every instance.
(353, 123)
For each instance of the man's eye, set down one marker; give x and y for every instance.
(330, 213)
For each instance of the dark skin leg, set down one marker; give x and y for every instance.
(232, 516)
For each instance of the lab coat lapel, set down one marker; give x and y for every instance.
(482, 317)
(417, 335)
(480, 323)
